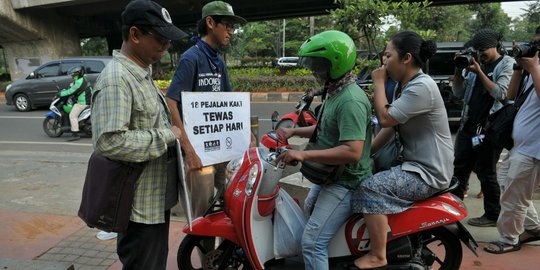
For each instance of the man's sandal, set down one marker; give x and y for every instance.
(498, 247)
(529, 236)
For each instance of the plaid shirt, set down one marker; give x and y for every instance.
(130, 123)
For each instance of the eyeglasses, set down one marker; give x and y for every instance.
(157, 37)
(230, 26)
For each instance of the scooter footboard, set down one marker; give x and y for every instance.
(215, 224)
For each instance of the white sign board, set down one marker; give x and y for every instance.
(217, 124)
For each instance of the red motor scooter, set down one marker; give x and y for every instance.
(240, 224)
(302, 116)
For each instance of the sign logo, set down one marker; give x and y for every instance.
(210, 146)
(228, 142)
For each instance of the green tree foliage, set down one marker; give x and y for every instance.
(363, 19)
(490, 16)
(447, 21)
(95, 46)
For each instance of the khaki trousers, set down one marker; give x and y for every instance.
(201, 185)
(74, 116)
(517, 189)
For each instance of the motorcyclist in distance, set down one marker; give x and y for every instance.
(81, 91)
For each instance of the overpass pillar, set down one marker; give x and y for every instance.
(34, 37)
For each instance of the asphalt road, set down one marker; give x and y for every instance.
(45, 175)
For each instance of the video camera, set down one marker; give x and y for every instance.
(464, 59)
(526, 50)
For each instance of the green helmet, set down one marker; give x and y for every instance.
(335, 46)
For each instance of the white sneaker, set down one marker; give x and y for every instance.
(102, 235)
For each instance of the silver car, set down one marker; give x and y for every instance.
(39, 87)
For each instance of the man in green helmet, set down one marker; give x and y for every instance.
(343, 130)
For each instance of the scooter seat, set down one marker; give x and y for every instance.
(453, 185)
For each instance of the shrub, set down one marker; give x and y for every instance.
(162, 84)
(273, 83)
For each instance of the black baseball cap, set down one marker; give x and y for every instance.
(151, 14)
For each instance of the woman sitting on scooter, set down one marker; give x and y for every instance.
(419, 115)
(344, 132)
(81, 89)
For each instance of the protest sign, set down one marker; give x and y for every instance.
(217, 124)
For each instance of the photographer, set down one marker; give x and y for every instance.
(484, 87)
(518, 221)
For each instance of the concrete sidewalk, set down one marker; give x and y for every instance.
(46, 241)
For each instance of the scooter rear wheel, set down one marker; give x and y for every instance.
(200, 252)
(443, 246)
(52, 127)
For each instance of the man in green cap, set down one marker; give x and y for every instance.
(201, 69)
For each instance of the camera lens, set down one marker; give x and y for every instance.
(524, 50)
(463, 61)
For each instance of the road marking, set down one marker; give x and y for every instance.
(46, 143)
(22, 117)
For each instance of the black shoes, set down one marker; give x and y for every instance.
(482, 221)
(74, 137)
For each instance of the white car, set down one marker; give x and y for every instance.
(287, 61)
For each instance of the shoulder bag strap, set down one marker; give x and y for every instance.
(522, 96)
(313, 137)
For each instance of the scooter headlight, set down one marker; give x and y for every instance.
(232, 169)
(253, 172)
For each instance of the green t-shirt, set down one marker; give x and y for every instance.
(346, 117)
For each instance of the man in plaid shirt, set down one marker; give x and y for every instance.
(131, 122)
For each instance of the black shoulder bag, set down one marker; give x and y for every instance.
(318, 173)
(500, 124)
(107, 197)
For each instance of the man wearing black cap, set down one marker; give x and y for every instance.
(485, 87)
(201, 69)
(130, 123)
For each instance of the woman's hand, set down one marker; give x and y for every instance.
(379, 75)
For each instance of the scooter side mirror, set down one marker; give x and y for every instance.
(275, 116)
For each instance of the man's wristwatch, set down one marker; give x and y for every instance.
(517, 67)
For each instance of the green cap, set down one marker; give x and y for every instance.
(220, 8)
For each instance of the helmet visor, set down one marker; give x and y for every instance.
(315, 64)
(320, 67)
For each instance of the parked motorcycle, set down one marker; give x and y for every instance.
(56, 121)
(240, 223)
(303, 116)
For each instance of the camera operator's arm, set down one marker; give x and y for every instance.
(513, 86)
(499, 87)
(531, 65)
(458, 83)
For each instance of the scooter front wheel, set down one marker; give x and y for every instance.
(205, 252)
(52, 127)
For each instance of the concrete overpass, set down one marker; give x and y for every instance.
(33, 32)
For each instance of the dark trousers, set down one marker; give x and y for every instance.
(144, 246)
(483, 160)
